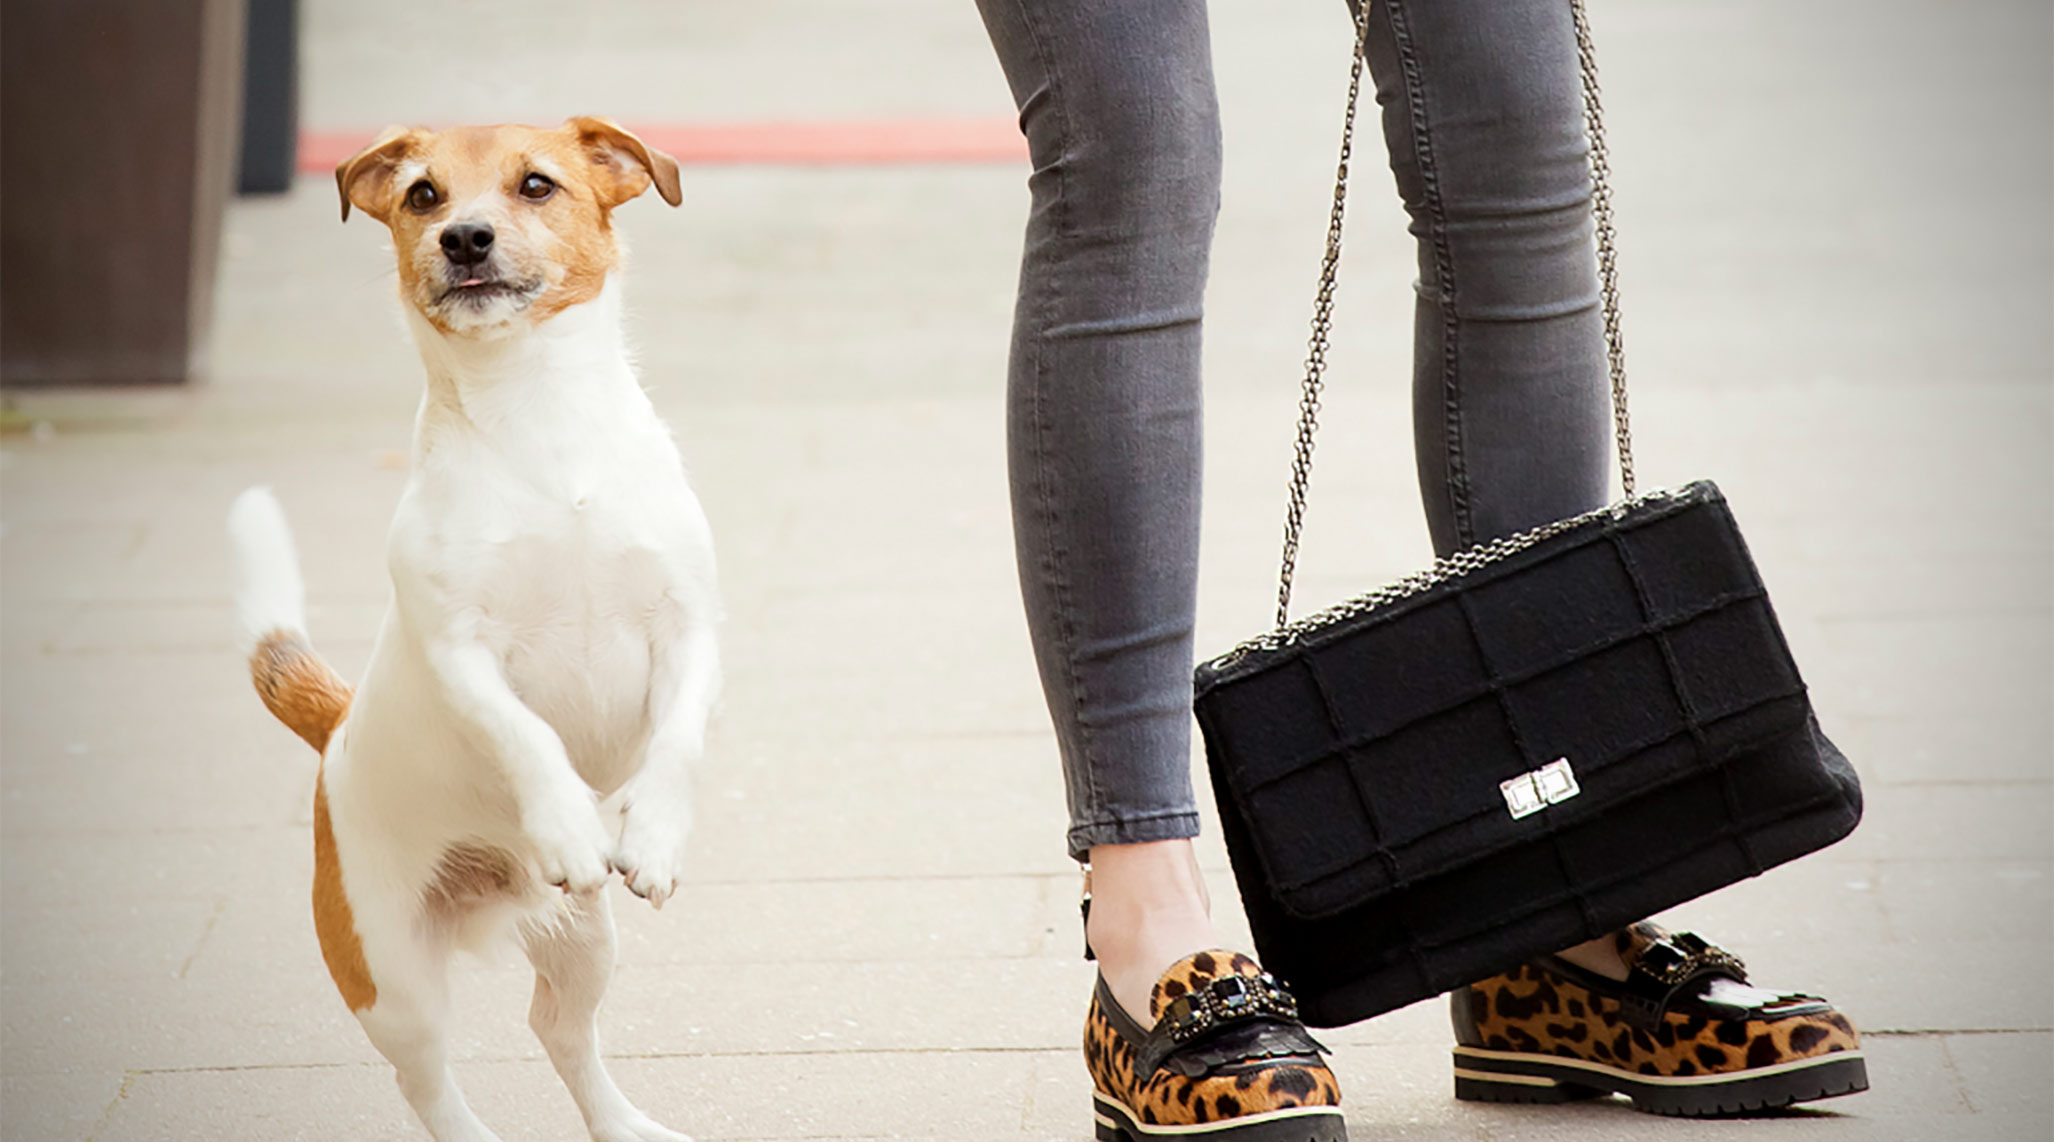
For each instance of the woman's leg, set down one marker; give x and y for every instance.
(1483, 115)
(1116, 99)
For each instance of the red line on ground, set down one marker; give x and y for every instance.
(874, 143)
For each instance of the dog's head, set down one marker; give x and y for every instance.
(501, 228)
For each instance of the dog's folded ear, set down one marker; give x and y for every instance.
(627, 165)
(365, 178)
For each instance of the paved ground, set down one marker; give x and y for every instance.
(1838, 272)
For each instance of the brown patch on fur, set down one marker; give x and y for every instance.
(579, 243)
(628, 164)
(298, 687)
(467, 874)
(334, 923)
(301, 690)
(555, 252)
(365, 179)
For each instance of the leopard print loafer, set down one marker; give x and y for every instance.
(1227, 1061)
(1683, 1034)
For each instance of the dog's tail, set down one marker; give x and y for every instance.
(298, 687)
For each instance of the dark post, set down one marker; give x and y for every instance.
(270, 105)
(118, 128)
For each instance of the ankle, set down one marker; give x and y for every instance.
(1600, 956)
(1148, 910)
(1135, 889)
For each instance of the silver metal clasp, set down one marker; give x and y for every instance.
(1531, 792)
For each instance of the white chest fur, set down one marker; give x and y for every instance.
(548, 515)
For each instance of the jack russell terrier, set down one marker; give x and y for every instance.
(544, 673)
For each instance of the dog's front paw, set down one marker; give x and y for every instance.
(651, 856)
(569, 842)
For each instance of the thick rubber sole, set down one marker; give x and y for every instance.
(1514, 1076)
(1295, 1124)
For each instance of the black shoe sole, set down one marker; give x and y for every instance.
(1513, 1076)
(1298, 1124)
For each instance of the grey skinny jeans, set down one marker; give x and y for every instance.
(1482, 116)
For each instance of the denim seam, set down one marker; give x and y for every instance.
(1055, 557)
(1444, 267)
(1135, 819)
(1130, 824)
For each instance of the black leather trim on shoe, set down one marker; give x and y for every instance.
(1664, 972)
(1642, 1003)
(1645, 998)
(1255, 1042)
(1462, 1012)
(1251, 1038)
(1117, 1015)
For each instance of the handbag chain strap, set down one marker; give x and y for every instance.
(1323, 311)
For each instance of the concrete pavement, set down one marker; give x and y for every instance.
(1837, 252)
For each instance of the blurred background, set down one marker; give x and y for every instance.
(1837, 242)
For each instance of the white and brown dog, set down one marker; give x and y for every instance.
(544, 674)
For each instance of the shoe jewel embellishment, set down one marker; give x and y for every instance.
(1225, 1002)
(1677, 959)
(1533, 791)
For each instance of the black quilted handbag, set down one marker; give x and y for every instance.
(1535, 742)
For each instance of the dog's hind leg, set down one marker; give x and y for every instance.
(573, 956)
(409, 1025)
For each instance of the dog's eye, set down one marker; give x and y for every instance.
(422, 197)
(537, 187)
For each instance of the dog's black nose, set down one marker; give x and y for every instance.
(467, 243)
